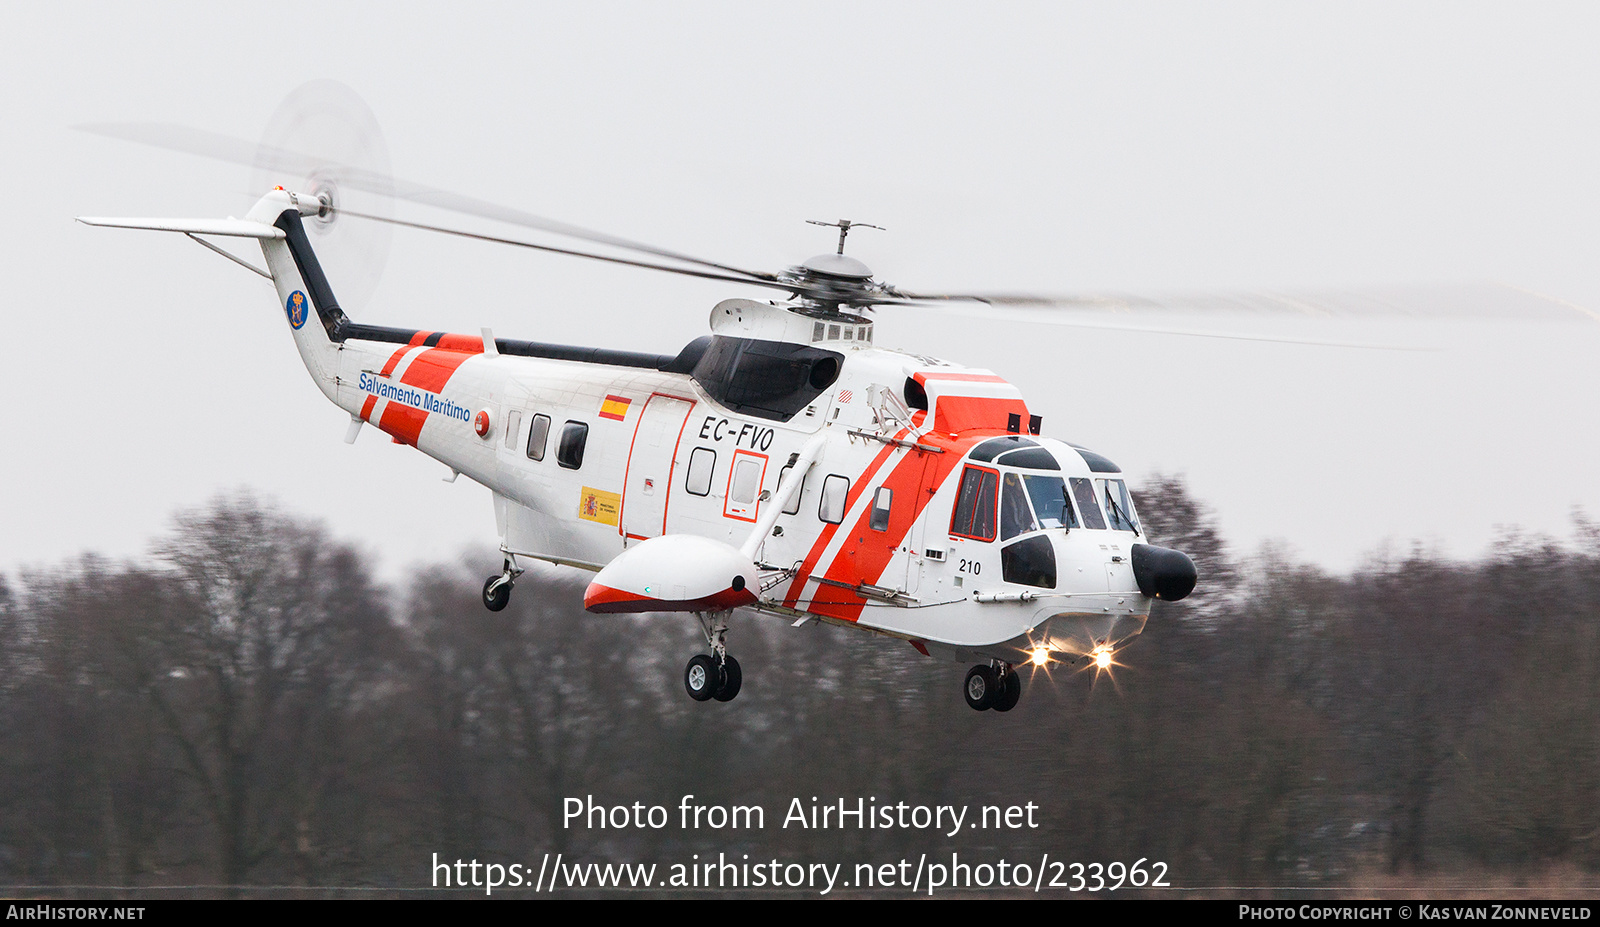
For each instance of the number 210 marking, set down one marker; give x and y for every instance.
(970, 566)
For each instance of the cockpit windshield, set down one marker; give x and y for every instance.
(1083, 491)
(1050, 503)
(1035, 501)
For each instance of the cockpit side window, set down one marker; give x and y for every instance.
(1016, 516)
(1119, 507)
(974, 512)
(1083, 491)
(1029, 562)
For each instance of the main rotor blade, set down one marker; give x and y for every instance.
(610, 259)
(1484, 300)
(227, 148)
(1035, 318)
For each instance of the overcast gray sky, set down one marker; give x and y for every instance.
(1051, 147)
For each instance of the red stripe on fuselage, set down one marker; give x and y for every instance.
(955, 414)
(472, 344)
(430, 371)
(394, 359)
(402, 422)
(388, 368)
(865, 555)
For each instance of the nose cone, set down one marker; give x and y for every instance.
(1163, 573)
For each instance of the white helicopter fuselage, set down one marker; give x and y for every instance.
(784, 464)
(586, 460)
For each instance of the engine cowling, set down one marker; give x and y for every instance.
(674, 573)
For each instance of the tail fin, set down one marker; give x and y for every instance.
(284, 211)
(303, 289)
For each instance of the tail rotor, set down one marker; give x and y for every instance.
(324, 140)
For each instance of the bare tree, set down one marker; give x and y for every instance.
(273, 636)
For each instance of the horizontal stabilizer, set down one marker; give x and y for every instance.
(237, 228)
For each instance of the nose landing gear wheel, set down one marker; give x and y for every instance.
(732, 679)
(701, 678)
(981, 687)
(1005, 698)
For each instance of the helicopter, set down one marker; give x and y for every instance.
(784, 463)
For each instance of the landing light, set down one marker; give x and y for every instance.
(1039, 656)
(1102, 657)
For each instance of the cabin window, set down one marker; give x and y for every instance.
(538, 433)
(1016, 515)
(1083, 491)
(793, 508)
(835, 490)
(574, 435)
(513, 428)
(974, 514)
(818, 331)
(881, 504)
(701, 462)
(746, 480)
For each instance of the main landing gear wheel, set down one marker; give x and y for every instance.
(701, 678)
(981, 688)
(732, 679)
(715, 674)
(496, 592)
(497, 588)
(1005, 698)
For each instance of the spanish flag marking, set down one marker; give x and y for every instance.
(615, 407)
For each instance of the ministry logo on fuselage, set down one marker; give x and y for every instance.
(297, 309)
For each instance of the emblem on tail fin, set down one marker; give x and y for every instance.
(296, 307)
